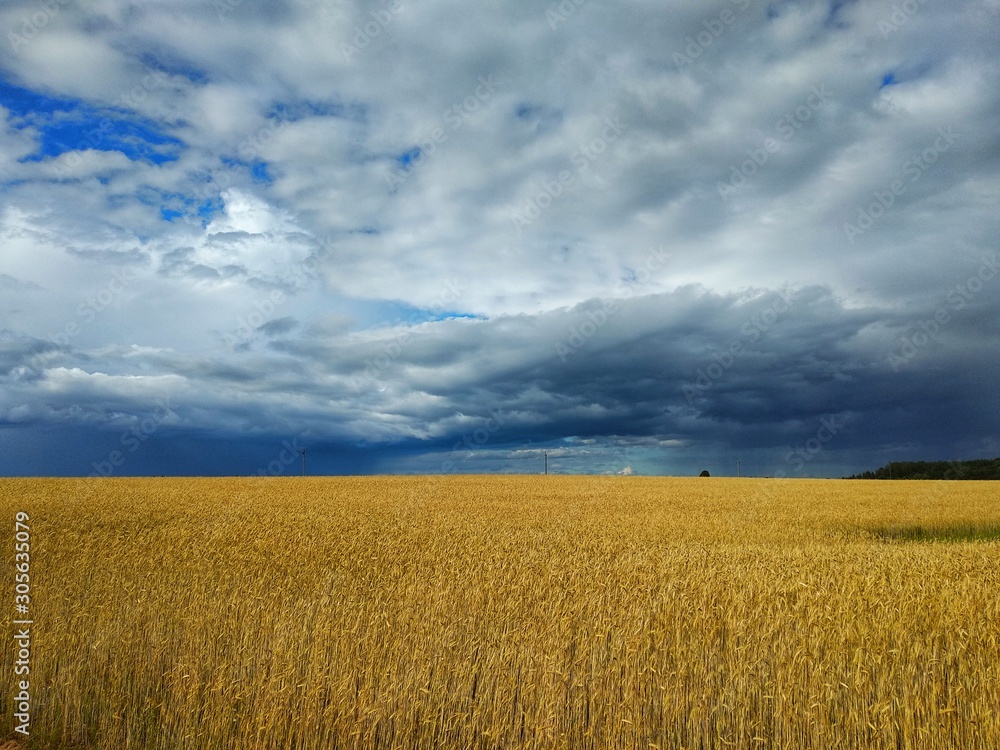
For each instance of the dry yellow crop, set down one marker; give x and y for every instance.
(506, 612)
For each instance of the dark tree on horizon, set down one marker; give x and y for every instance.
(981, 469)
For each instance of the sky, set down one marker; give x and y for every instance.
(421, 237)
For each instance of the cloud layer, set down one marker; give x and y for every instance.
(410, 237)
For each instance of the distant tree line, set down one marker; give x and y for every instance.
(982, 468)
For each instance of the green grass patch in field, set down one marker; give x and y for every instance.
(958, 532)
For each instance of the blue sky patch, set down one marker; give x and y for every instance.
(404, 160)
(174, 206)
(209, 209)
(833, 19)
(74, 125)
(260, 171)
(174, 68)
(450, 314)
(295, 111)
(539, 117)
(23, 102)
(401, 313)
(374, 314)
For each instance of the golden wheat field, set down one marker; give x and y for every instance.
(506, 612)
